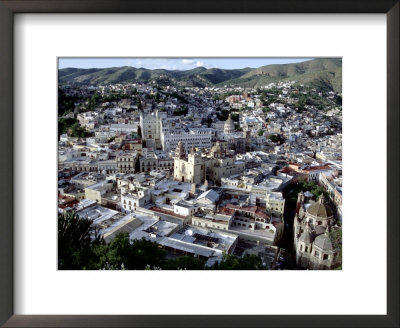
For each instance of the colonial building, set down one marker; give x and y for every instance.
(126, 162)
(197, 167)
(275, 203)
(155, 160)
(193, 137)
(312, 226)
(150, 125)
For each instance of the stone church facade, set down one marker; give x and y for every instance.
(199, 167)
(312, 226)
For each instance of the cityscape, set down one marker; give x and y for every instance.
(200, 164)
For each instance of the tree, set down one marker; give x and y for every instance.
(156, 96)
(180, 111)
(235, 117)
(64, 124)
(336, 239)
(223, 115)
(274, 138)
(209, 121)
(66, 103)
(74, 242)
(121, 253)
(93, 101)
(338, 99)
(260, 132)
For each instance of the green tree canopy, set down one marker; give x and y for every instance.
(72, 127)
(74, 242)
(121, 253)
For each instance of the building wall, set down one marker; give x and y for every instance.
(275, 205)
(126, 164)
(198, 140)
(205, 223)
(306, 257)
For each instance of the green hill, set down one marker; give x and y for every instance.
(325, 73)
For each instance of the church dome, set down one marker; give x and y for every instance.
(306, 237)
(323, 242)
(319, 210)
(229, 126)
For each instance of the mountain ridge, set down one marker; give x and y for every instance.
(320, 72)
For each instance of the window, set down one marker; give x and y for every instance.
(301, 247)
(316, 253)
(306, 250)
(325, 256)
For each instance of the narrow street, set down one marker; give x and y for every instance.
(286, 259)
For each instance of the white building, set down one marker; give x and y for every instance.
(275, 202)
(150, 125)
(126, 128)
(195, 137)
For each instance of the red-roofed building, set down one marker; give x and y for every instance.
(251, 217)
(311, 173)
(66, 203)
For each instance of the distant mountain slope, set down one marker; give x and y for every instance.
(323, 73)
(201, 75)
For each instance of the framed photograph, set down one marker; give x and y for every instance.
(194, 169)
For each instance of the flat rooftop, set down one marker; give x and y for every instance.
(97, 213)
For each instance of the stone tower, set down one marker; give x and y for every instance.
(195, 166)
(180, 151)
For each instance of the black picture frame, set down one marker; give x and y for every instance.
(10, 7)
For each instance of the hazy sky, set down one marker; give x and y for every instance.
(174, 63)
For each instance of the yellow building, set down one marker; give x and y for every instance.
(199, 167)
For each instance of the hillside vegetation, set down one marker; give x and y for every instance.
(321, 73)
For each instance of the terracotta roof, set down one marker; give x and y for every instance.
(227, 211)
(156, 209)
(258, 212)
(315, 168)
(69, 204)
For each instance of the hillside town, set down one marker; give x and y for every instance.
(208, 173)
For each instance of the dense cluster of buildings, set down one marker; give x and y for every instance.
(160, 164)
